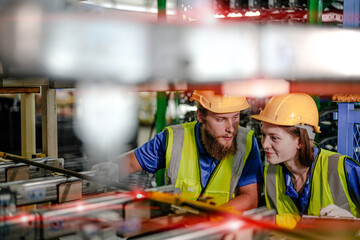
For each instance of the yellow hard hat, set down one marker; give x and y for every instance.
(218, 103)
(290, 110)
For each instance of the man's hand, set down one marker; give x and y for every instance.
(111, 169)
(332, 210)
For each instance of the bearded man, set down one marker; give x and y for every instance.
(212, 157)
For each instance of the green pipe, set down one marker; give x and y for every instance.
(160, 111)
(315, 9)
(161, 100)
(160, 124)
(162, 10)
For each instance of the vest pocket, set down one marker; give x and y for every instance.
(189, 189)
(220, 197)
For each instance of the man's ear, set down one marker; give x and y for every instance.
(199, 116)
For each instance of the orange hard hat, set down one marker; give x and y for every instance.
(291, 110)
(219, 103)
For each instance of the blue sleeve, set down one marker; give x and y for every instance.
(151, 155)
(353, 172)
(253, 170)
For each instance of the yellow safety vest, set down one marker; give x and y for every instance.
(328, 184)
(183, 170)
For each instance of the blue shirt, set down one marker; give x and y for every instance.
(151, 157)
(301, 201)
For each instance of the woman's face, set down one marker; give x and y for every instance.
(278, 144)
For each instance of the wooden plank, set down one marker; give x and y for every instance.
(17, 173)
(28, 140)
(69, 191)
(4, 90)
(28, 82)
(49, 121)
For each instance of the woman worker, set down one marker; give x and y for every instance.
(302, 178)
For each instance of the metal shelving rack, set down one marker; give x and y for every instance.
(348, 116)
(348, 130)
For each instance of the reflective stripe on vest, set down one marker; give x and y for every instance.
(178, 141)
(328, 186)
(175, 153)
(330, 165)
(276, 198)
(340, 189)
(270, 186)
(336, 188)
(244, 146)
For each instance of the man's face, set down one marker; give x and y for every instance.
(219, 132)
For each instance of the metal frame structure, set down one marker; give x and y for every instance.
(348, 117)
(351, 14)
(349, 130)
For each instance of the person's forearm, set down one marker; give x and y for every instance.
(244, 202)
(247, 198)
(128, 164)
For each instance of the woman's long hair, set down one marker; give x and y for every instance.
(306, 153)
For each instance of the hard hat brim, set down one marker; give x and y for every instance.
(267, 120)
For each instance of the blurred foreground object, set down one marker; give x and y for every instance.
(39, 39)
(106, 118)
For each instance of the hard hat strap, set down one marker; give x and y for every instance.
(309, 129)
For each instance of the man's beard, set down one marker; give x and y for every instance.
(214, 147)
